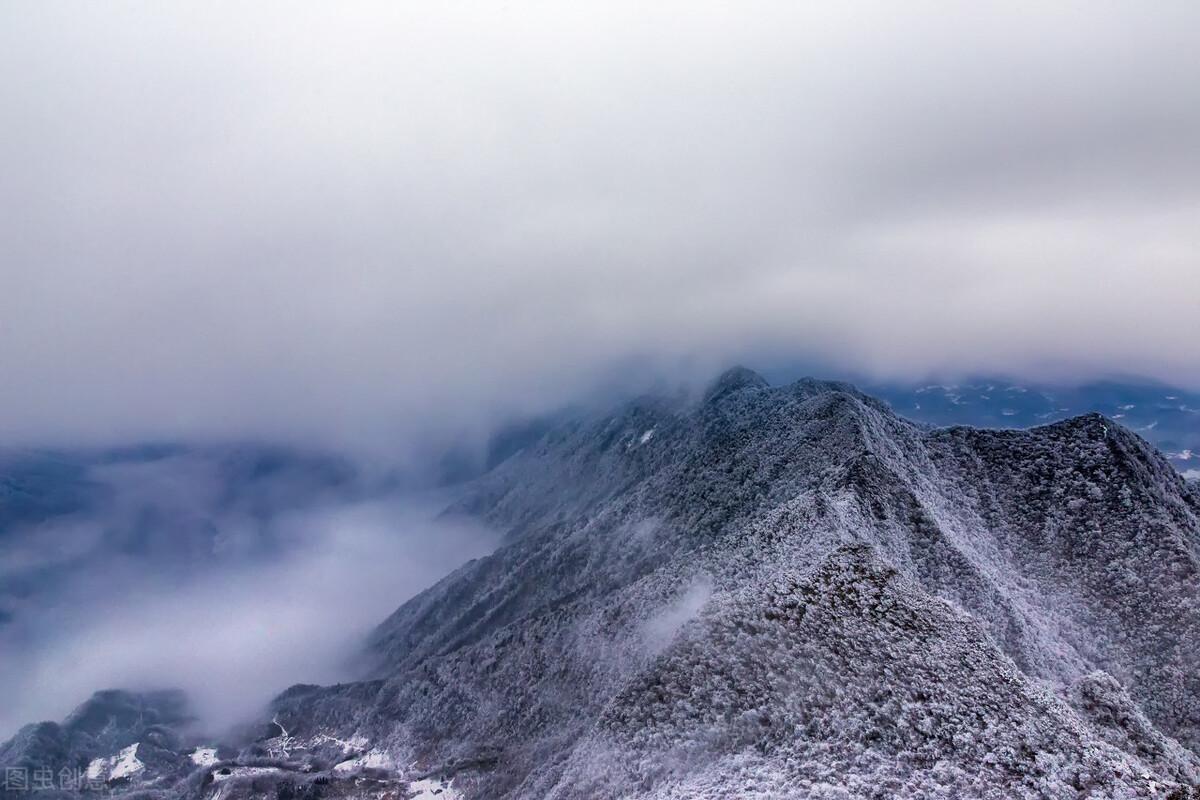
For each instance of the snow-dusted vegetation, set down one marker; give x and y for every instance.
(781, 592)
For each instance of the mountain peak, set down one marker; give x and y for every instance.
(732, 380)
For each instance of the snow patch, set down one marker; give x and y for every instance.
(243, 772)
(354, 743)
(373, 759)
(127, 764)
(434, 789)
(97, 768)
(123, 765)
(204, 756)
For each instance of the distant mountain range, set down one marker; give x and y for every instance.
(769, 592)
(1165, 416)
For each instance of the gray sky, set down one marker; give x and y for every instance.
(357, 220)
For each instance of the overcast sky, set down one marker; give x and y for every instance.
(357, 220)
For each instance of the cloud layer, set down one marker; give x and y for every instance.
(233, 629)
(360, 221)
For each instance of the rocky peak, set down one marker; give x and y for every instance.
(735, 379)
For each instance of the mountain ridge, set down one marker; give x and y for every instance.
(1071, 553)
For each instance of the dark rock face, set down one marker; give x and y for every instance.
(784, 592)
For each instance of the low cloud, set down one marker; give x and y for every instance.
(232, 631)
(661, 628)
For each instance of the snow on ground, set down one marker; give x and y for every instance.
(373, 759)
(127, 764)
(434, 789)
(204, 756)
(281, 745)
(97, 769)
(123, 765)
(355, 742)
(243, 772)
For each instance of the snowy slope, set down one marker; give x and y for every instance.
(781, 592)
(1072, 548)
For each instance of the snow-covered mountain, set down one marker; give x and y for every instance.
(771, 592)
